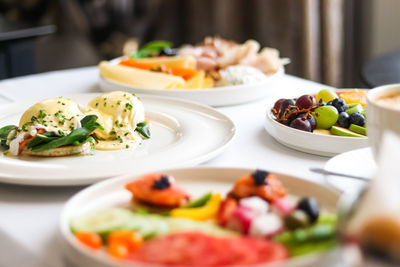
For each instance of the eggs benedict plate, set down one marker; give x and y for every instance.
(114, 137)
(60, 127)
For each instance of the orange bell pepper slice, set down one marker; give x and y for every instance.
(185, 73)
(122, 243)
(89, 239)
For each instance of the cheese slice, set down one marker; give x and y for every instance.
(196, 82)
(188, 62)
(208, 83)
(138, 77)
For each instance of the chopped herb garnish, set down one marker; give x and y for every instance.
(129, 106)
(105, 104)
(126, 134)
(119, 102)
(59, 114)
(63, 103)
(42, 114)
(97, 104)
(121, 125)
(127, 146)
(112, 132)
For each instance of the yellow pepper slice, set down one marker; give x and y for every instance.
(206, 212)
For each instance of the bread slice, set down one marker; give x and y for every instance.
(61, 151)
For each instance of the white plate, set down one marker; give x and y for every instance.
(111, 193)
(317, 144)
(183, 134)
(219, 96)
(359, 162)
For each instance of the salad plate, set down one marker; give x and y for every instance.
(112, 193)
(177, 127)
(358, 162)
(219, 96)
(318, 144)
(216, 71)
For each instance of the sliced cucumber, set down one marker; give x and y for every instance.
(106, 221)
(102, 221)
(177, 225)
(147, 225)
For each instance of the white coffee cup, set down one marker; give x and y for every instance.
(382, 115)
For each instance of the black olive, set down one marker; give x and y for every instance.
(166, 51)
(296, 219)
(310, 206)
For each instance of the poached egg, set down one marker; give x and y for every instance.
(119, 113)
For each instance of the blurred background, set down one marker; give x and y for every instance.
(328, 41)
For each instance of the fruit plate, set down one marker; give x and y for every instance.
(197, 180)
(317, 144)
(177, 127)
(218, 96)
(358, 162)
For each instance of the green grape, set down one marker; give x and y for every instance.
(326, 95)
(326, 116)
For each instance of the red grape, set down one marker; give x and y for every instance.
(305, 101)
(277, 105)
(285, 104)
(310, 118)
(301, 124)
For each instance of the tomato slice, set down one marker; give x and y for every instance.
(198, 249)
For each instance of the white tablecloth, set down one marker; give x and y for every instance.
(29, 215)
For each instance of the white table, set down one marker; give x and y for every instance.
(29, 215)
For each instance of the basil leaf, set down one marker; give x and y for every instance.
(151, 49)
(157, 45)
(77, 136)
(143, 129)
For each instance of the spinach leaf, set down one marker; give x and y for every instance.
(151, 49)
(4, 132)
(76, 137)
(143, 129)
(42, 138)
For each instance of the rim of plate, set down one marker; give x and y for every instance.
(63, 226)
(188, 90)
(23, 180)
(308, 134)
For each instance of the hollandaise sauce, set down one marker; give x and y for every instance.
(119, 113)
